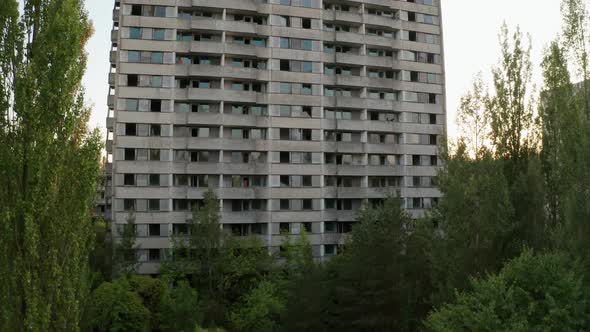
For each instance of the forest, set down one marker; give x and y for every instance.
(505, 249)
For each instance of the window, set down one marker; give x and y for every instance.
(154, 155)
(155, 105)
(284, 65)
(285, 88)
(154, 230)
(306, 44)
(432, 139)
(157, 57)
(154, 255)
(306, 23)
(155, 180)
(155, 130)
(432, 98)
(136, 10)
(284, 157)
(307, 227)
(433, 160)
(307, 204)
(156, 81)
(306, 181)
(306, 89)
(329, 249)
(416, 160)
(284, 228)
(129, 204)
(135, 33)
(344, 204)
(432, 118)
(330, 204)
(180, 229)
(130, 129)
(329, 226)
(129, 179)
(160, 11)
(129, 154)
(284, 21)
(132, 80)
(285, 181)
(284, 204)
(159, 34)
(133, 56)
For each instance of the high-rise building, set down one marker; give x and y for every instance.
(295, 112)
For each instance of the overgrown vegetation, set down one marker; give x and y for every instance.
(506, 248)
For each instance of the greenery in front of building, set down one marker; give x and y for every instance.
(505, 248)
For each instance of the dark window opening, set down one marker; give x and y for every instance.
(132, 80)
(156, 105)
(130, 129)
(136, 10)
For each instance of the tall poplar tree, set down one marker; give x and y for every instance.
(49, 165)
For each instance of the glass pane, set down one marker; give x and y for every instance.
(135, 33)
(133, 56)
(159, 34)
(157, 57)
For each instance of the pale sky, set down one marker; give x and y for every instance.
(470, 38)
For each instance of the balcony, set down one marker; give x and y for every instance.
(110, 123)
(245, 217)
(114, 35)
(111, 101)
(112, 78)
(248, 5)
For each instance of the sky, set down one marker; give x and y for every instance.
(470, 32)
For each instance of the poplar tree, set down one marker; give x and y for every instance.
(49, 165)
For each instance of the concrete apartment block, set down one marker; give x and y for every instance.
(295, 112)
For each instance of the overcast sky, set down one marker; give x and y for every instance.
(470, 38)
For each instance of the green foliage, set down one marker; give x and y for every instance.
(473, 119)
(531, 293)
(102, 253)
(115, 307)
(391, 290)
(474, 216)
(124, 257)
(49, 166)
(259, 310)
(179, 309)
(561, 125)
(151, 291)
(511, 117)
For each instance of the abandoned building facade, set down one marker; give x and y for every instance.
(295, 112)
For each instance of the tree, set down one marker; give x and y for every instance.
(389, 293)
(531, 293)
(49, 165)
(151, 291)
(473, 121)
(511, 117)
(179, 309)
(474, 215)
(575, 39)
(259, 310)
(561, 129)
(222, 267)
(575, 168)
(101, 257)
(114, 307)
(125, 259)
